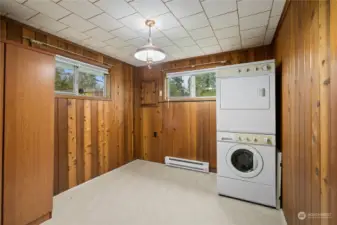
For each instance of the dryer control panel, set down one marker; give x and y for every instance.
(257, 139)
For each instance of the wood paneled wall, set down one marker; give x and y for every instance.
(302, 50)
(92, 136)
(185, 129)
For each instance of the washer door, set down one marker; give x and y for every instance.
(245, 161)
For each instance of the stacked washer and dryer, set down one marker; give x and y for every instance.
(246, 128)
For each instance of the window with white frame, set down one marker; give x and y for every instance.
(77, 78)
(191, 84)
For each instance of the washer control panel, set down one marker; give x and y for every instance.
(247, 69)
(257, 139)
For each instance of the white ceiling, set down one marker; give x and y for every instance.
(184, 28)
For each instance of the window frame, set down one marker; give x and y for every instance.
(192, 74)
(77, 64)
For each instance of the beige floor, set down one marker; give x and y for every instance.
(145, 193)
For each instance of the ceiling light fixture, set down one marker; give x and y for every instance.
(150, 53)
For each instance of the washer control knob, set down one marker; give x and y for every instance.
(248, 69)
(257, 68)
(239, 70)
(239, 138)
(265, 68)
(255, 140)
(267, 140)
(247, 139)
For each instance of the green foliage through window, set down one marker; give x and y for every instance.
(194, 85)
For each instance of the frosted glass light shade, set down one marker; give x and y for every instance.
(150, 52)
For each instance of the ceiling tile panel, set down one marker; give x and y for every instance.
(257, 20)
(196, 21)
(211, 49)
(277, 8)
(218, 7)
(166, 21)
(115, 8)
(252, 42)
(48, 7)
(149, 8)
(134, 22)
(124, 33)
(227, 32)
(106, 22)
(273, 21)
(16, 10)
(48, 22)
(99, 34)
(183, 8)
(207, 42)
(77, 23)
(93, 43)
(249, 7)
(172, 49)
(229, 42)
(117, 42)
(269, 36)
(226, 20)
(230, 48)
(162, 42)
(155, 33)
(176, 33)
(138, 42)
(84, 9)
(71, 33)
(201, 33)
(255, 32)
(192, 51)
(184, 42)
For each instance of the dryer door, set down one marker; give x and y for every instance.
(245, 161)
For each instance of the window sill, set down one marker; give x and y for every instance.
(190, 99)
(82, 97)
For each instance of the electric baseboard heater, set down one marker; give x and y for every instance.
(187, 164)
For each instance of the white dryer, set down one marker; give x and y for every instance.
(245, 98)
(247, 167)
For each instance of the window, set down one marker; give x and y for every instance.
(191, 84)
(77, 78)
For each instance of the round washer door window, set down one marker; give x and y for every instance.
(245, 161)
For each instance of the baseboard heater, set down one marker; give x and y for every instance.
(187, 164)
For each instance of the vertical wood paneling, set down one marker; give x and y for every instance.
(2, 80)
(107, 135)
(94, 138)
(100, 136)
(56, 148)
(79, 141)
(87, 141)
(72, 149)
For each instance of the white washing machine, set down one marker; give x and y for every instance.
(247, 167)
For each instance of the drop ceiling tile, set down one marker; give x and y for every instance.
(149, 8)
(269, 36)
(176, 33)
(166, 21)
(230, 48)
(162, 42)
(252, 42)
(211, 49)
(277, 8)
(16, 10)
(207, 42)
(128, 50)
(227, 32)
(179, 55)
(196, 21)
(255, 32)
(192, 51)
(93, 43)
(124, 33)
(106, 22)
(155, 33)
(201, 33)
(184, 42)
(20, 1)
(249, 7)
(77, 23)
(138, 42)
(117, 43)
(110, 50)
(99, 34)
(47, 7)
(229, 42)
(115, 8)
(226, 20)
(47, 22)
(183, 8)
(27, 22)
(218, 7)
(171, 49)
(71, 33)
(257, 20)
(134, 22)
(84, 9)
(273, 21)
